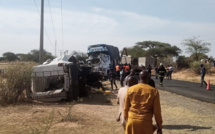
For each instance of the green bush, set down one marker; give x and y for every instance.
(14, 81)
(182, 62)
(195, 67)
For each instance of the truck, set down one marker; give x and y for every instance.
(136, 62)
(102, 58)
(62, 79)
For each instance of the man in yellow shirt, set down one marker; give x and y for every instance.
(142, 102)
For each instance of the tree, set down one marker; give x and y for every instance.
(201, 56)
(182, 62)
(196, 47)
(9, 56)
(211, 59)
(1, 58)
(135, 51)
(157, 49)
(34, 56)
(22, 57)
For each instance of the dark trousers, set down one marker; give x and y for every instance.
(202, 80)
(156, 75)
(113, 82)
(117, 75)
(161, 79)
(122, 78)
(170, 75)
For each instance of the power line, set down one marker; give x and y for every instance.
(36, 6)
(52, 20)
(45, 28)
(62, 23)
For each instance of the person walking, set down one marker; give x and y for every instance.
(149, 68)
(132, 73)
(203, 72)
(167, 72)
(170, 72)
(156, 72)
(161, 73)
(151, 81)
(142, 102)
(117, 67)
(122, 76)
(112, 78)
(132, 80)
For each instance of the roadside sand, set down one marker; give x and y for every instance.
(96, 115)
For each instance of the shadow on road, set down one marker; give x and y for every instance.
(193, 128)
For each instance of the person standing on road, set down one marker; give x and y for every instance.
(142, 102)
(121, 98)
(161, 73)
(203, 72)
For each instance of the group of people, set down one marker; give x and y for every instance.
(162, 72)
(138, 101)
(119, 73)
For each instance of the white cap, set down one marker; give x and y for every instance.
(161, 64)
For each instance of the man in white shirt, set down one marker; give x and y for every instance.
(132, 80)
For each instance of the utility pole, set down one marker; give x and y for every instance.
(55, 52)
(41, 32)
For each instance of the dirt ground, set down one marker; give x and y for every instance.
(96, 115)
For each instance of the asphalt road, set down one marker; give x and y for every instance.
(188, 89)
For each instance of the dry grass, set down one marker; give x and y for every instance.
(90, 116)
(96, 115)
(4, 65)
(188, 75)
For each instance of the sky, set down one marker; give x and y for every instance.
(73, 25)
